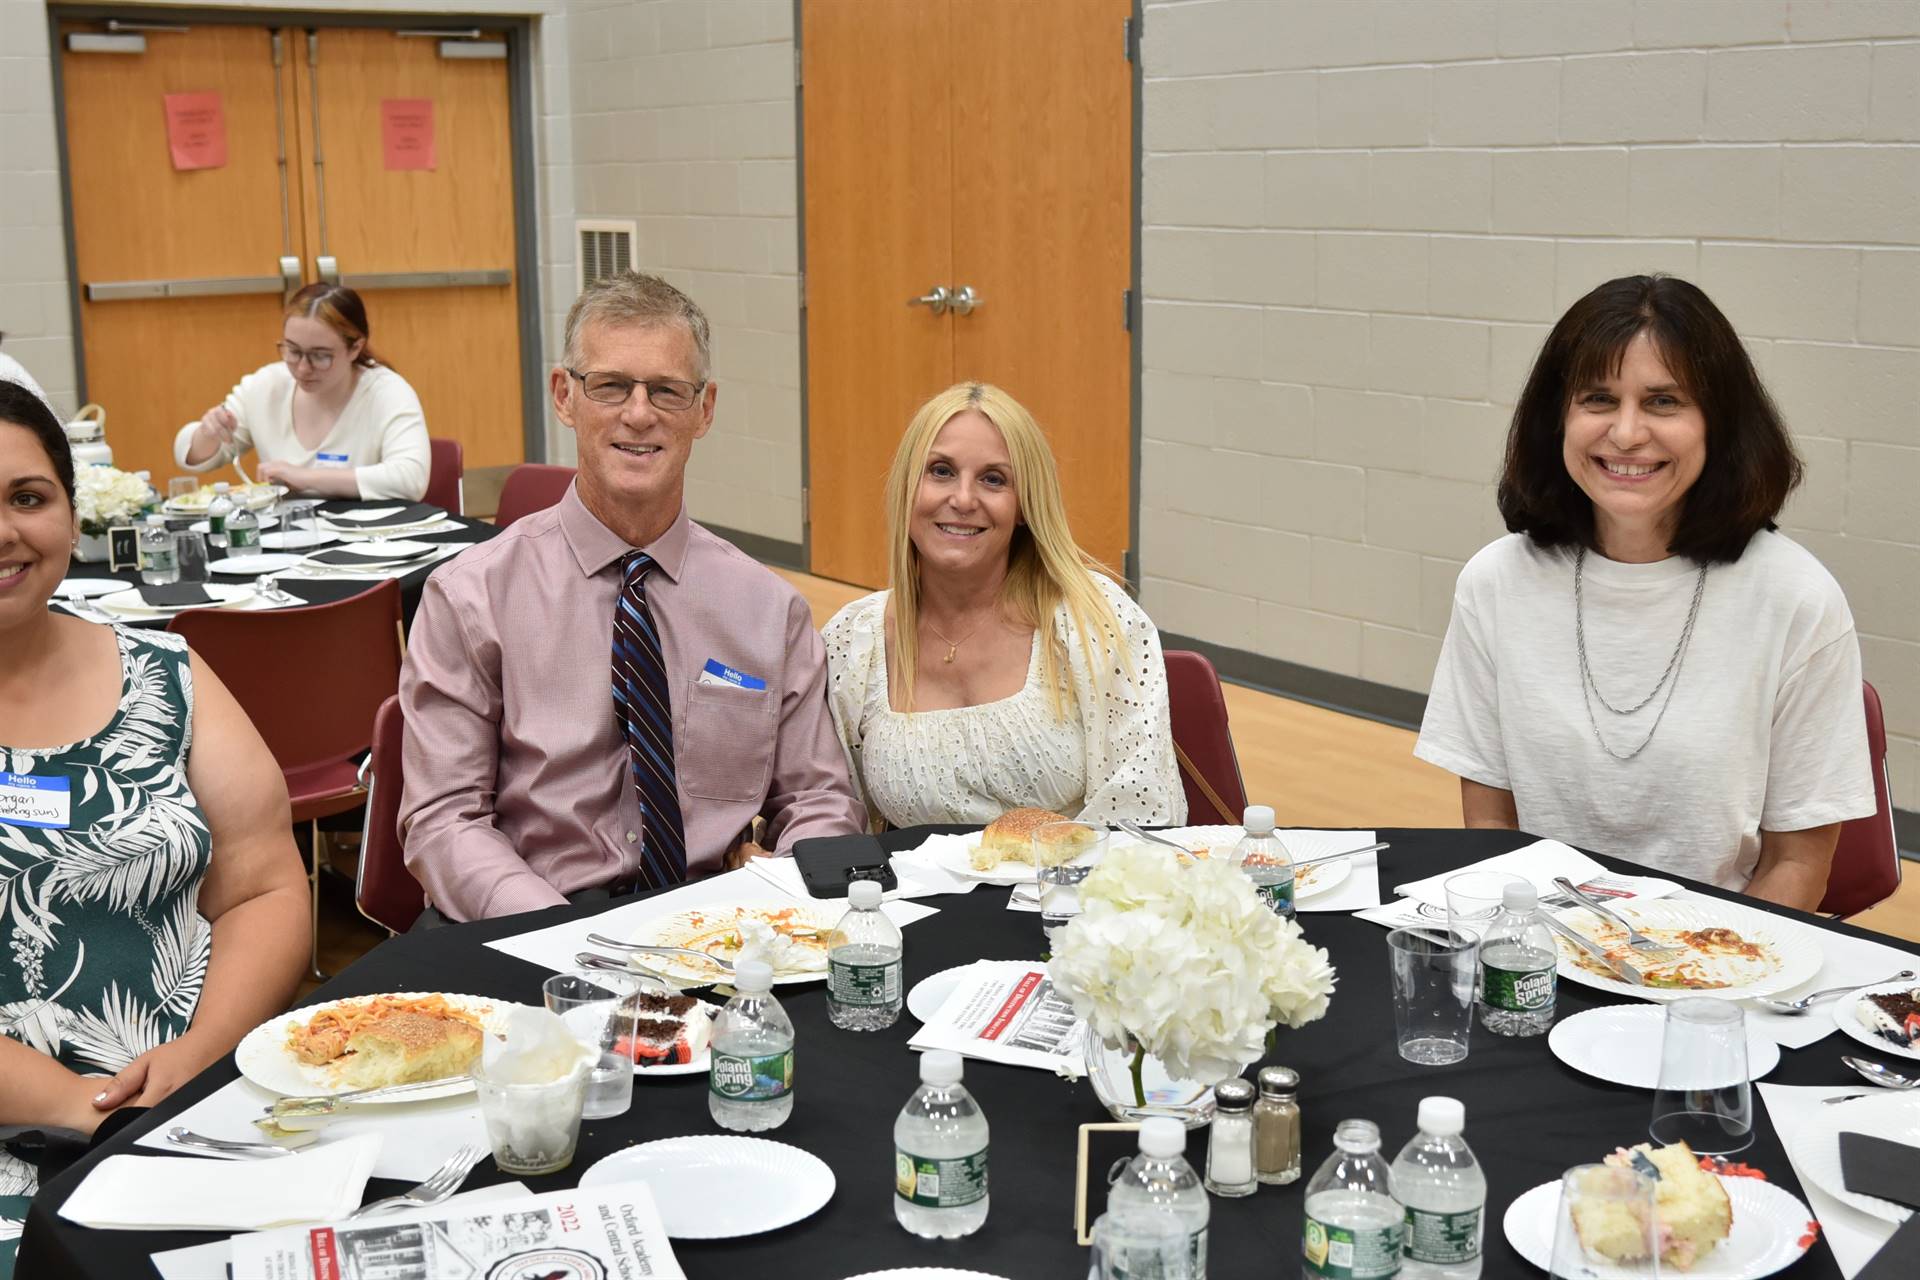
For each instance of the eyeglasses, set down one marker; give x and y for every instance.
(670, 394)
(319, 359)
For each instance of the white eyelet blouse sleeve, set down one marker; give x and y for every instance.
(1131, 770)
(854, 637)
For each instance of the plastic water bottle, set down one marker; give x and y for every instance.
(1517, 958)
(1137, 1246)
(1353, 1224)
(1437, 1180)
(243, 529)
(750, 1081)
(1160, 1181)
(158, 563)
(864, 964)
(940, 1154)
(1265, 860)
(217, 513)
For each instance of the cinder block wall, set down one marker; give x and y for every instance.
(1361, 217)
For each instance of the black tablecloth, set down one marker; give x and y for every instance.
(1528, 1116)
(317, 590)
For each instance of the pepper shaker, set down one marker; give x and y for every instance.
(1276, 1126)
(1230, 1141)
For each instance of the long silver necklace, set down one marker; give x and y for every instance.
(1671, 674)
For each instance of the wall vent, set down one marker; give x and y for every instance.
(606, 249)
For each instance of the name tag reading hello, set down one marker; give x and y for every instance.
(717, 672)
(329, 459)
(36, 800)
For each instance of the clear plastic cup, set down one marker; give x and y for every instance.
(1704, 1097)
(532, 1128)
(1473, 899)
(1433, 989)
(599, 1009)
(1064, 854)
(1605, 1224)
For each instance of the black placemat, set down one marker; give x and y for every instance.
(1874, 1166)
(172, 595)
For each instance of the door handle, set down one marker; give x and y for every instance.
(198, 287)
(935, 300)
(426, 279)
(327, 268)
(963, 300)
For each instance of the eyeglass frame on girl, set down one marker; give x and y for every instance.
(293, 355)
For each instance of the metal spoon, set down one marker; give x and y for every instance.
(601, 940)
(1800, 1005)
(1143, 834)
(1874, 1073)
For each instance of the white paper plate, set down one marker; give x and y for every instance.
(925, 1273)
(88, 587)
(1309, 882)
(263, 1058)
(716, 1186)
(297, 539)
(128, 604)
(674, 930)
(254, 565)
(343, 525)
(1848, 1021)
(1816, 1145)
(928, 994)
(379, 549)
(1769, 1226)
(1621, 1045)
(698, 1067)
(203, 526)
(258, 497)
(1796, 947)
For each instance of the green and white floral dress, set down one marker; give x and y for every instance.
(105, 948)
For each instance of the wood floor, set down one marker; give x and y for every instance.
(1317, 768)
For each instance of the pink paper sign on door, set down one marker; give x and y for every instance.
(196, 130)
(406, 132)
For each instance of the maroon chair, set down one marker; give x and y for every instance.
(445, 486)
(383, 888)
(311, 680)
(1866, 861)
(531, 487)
(1209, 769)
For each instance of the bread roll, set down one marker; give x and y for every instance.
(1009, 837)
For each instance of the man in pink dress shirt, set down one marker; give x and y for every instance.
(520, 787)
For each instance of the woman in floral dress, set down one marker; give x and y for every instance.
(152, 905)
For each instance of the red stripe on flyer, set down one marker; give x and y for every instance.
(326, 1254)
(1015, 998)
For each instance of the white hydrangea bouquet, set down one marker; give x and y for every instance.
(1185, 963)
(104, 497)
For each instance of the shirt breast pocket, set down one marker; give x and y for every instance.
(724, 743)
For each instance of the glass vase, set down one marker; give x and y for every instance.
(1134, 1085)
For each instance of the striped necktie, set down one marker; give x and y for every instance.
(646, 721)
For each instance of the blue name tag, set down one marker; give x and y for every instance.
(717, 672)
(329, 459)
(36, 800)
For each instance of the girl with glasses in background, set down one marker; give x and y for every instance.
(329, 417)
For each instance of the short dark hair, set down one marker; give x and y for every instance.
(24, 409)
(1751, 465)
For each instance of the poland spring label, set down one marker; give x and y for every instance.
(764, 1079)
(939, 1184)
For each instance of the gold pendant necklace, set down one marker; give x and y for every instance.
(953, 646)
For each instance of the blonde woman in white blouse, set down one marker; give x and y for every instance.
(327, 418)
(1003, 668)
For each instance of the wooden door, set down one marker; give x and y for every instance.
(1021, 188)
(879, 227)
(1042, 231)
(430, 250)
(156, 361)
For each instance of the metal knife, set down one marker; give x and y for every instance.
(1626, 971)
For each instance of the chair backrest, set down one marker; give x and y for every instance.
(1866, 860)
(383, 888)
(531, 487)
(309, 678)
(445, 486)
(1201, 737)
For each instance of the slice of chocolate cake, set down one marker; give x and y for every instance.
(672, 1029)
(1892, 1015)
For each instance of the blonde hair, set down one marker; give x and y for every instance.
(1045, 567)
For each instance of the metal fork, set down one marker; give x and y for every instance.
(75, 601)
(601, 940)
(1627, 972)
(445, 1181)
(1637, 940)
(269, 586)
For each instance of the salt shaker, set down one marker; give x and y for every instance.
(1276, 1126)
(1230, 1141)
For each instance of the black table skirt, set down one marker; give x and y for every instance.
(1529, 1117)
(321, 590)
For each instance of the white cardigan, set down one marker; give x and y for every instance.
(381, 431)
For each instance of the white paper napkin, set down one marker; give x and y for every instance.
(210, 1261)
(922, 865)
(421, 1135)
(1847, 961)
(1537, 863)
(554, 948)
(186, 1193)
(1853, 1236)
(366, 513)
